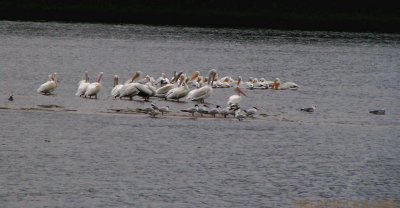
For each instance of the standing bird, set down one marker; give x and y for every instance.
(49, 86)
(83, 84)
(239, 115)
(204, 92)
(192, 110)
(251, 112)
(203, 110)
(94, 88)
(178, 92)
(235, 99)
(115, 92)
(129, 89)
(214, 111)
(163, 110)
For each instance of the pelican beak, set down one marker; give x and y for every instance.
(176, 77)
(240, 91)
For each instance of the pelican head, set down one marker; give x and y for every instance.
(115, 80)
(176, 76)
(195, 75)
(100, 77)
(86, 76)
(136, 76)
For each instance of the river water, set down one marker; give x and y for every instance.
(82, 154)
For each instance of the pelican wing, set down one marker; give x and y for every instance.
(47, 87)
(82, 88)
(200, 93)
(116, 91)
(93, 89)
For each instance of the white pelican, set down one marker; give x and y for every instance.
(204, 92)
(146, 90)
(129, 89)
(94, 87)
(162, 91)
(192, 110)
(235, 99)
(163, 80)
(178, 92)
(49, 86)
(289, 86)
(115, 92)
(83, 84)
(285, 86)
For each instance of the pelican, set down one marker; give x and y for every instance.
(163, 80)
(116, 91)
(49, 86)
(146, 90)
(178, 92)
(192, 110)
(235, 99)
(83, 84)
(162, 91)
(94, 88)
(289, 86)
(129, 89)
(204, 92)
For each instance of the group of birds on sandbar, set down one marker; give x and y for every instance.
(179, 86)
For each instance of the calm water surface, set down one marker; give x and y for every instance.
(87, 157)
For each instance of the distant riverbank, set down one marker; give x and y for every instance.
(284, 14)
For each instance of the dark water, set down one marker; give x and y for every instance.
(90, 158)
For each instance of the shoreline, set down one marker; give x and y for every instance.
(283, 16)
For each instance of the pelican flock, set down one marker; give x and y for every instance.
(196, 88)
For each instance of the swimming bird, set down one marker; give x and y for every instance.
(116, 91)
(94, 88)
(49, 86)
(204, 92)
(83, 84)
(251, 112)
(192, 110)
(276, 85)
(378, 112)
(309, 109)
(235, 99)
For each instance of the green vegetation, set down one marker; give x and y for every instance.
(337, 15)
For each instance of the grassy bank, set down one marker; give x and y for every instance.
(305, 15)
